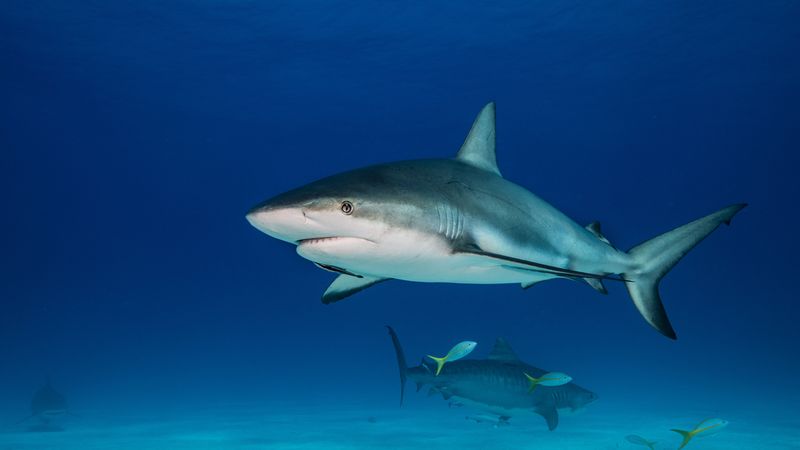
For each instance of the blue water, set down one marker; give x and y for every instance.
(135, 135)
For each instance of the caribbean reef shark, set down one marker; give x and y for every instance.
(497, 384)
(459, 221)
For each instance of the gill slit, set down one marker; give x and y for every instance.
(451, 222)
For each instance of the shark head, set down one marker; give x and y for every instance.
(331, 208)
(402, 220)
(355, 221)
(580, 398)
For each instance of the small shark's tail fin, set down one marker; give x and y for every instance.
(687, 436)
(654, 258)
(401, 362)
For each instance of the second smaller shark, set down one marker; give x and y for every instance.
(499, 385)
(47, 405)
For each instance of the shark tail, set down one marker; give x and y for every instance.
(687, 436)
(654, 258)
(439, 363)
(401, 362)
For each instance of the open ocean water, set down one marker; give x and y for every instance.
(136, 135)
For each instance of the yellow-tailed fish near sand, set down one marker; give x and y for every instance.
(704, 428)
(638, 440)
(458, 351)
(548, 379)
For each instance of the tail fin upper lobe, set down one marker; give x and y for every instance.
(654, 258)
(401, 362)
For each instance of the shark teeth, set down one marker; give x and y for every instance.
(317, 240)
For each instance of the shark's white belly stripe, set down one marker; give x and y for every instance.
(414, 256)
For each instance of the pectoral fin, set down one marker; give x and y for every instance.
(346, 285)
(550, 414)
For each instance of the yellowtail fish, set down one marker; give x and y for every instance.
(704, 428)
(638, 440)
(458, 351)
(548, 379)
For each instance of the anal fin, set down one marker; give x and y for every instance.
(597, 285)
(346, 285)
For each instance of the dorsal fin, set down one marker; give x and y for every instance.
(502, 352)
(594, 228)
(478, 148)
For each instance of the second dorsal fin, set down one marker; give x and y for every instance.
(594, 228)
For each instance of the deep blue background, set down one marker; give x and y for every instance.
(135, 135)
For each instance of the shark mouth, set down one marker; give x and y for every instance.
(329, 239)
(319, 240)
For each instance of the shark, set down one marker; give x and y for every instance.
(47, 405)
(497, 385)
(458, 220)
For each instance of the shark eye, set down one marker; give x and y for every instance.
(347, 207)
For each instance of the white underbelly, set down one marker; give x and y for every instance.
(414, 257)
(466, 269)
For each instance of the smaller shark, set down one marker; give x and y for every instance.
(47, 405)
(497, 384)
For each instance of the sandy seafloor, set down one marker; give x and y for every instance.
(412, 427)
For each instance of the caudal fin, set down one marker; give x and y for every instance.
(439, 363)
(401, 362)
(533, 382)
(654, 258)
(687, 436)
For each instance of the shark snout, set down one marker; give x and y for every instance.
(287, 224)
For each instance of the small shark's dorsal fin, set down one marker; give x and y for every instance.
(478, 148)
(502, 352)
